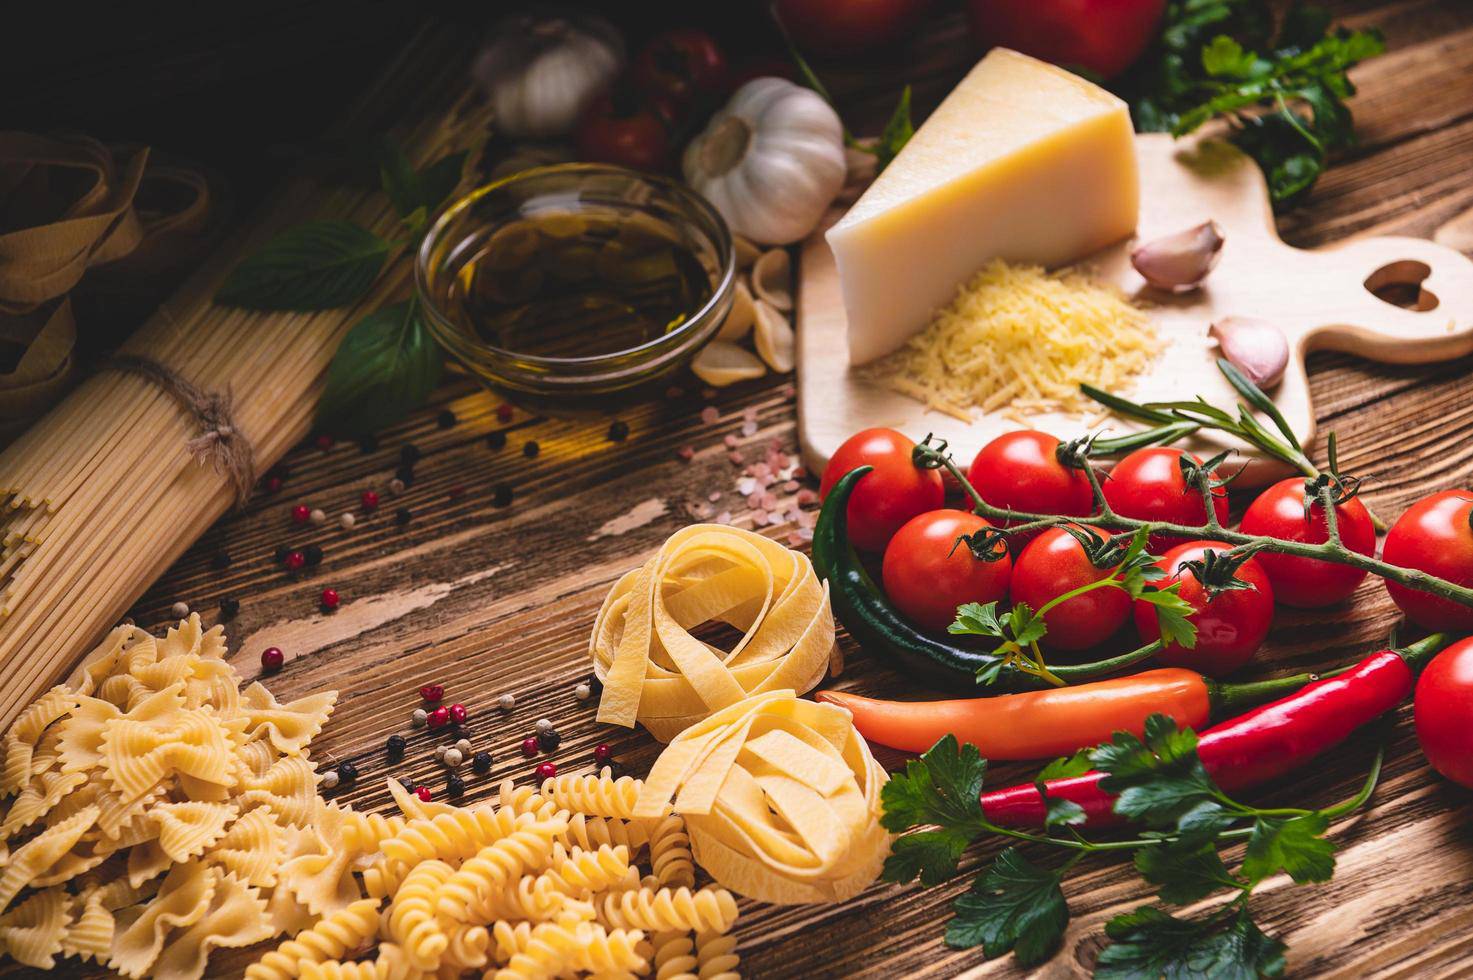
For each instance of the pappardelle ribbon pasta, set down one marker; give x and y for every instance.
(781, 799)
(656, 672)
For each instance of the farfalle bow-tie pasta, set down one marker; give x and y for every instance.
(656, 672)
(781, 799)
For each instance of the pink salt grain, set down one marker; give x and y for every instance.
(709, 415)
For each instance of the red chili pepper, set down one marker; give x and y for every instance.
(1057, 721)
(1255, 747)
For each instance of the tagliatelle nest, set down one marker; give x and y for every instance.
(655, 672)
(781, 799)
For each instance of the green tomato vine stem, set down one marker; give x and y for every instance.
(1331, 550)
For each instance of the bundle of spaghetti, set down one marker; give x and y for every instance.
(101, 495)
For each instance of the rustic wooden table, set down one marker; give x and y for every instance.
(491, 600)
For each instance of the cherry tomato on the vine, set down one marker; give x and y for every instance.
(1055, 563)
(1022, 470)
(1434, 536)
(845, 28)
(684, 66)
(1308, 583)
(894, 492)
(927, 574)
(620, 128)
(1442, 705)
(1231, 623)
(1150, 484)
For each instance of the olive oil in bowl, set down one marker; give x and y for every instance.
(573, 288)
(560, 284)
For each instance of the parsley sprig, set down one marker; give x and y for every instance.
(1018, 631)
(1017, 904)
(1282, 84)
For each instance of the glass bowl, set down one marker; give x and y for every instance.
(537, 231)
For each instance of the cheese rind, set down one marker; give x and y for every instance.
(1023, 161)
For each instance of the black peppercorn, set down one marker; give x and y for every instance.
(409, 454)
(405, 475)
(618, 430)
(446, 419)
(481, 762)
(313, 554)
(403, 516)
(229, 607)
(395, 746)
(347, 772)
(549, 740)
(496, 439)
(501, 497)
(282, 551)
(595, 685)
(454, 787)
(531, 449)
(220, 560)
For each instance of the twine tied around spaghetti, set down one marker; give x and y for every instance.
(220, 440)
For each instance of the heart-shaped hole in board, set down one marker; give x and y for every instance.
(1400, 284)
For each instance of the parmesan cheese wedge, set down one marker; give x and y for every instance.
(1023, 161)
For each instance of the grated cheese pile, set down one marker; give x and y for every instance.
(1017, 339)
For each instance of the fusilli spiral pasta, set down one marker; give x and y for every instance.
(330, 939)
(712, 910)
(717, 957)
(670, 856)
(526, 849)
(598, 795)
(411, 918)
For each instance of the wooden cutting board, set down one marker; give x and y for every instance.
(1322, 298)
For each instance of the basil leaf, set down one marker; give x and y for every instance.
(316, 266)
(409, 189)
(385, 368)
(897, 132)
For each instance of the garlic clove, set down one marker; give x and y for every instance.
(1179, 262)
(1256, 347)
(720, 364)
(739, 321)
(746, 251)
(774, 337)
(772, 278)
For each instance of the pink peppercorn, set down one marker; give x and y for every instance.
(529, 747)
(457, 714)
(369, 500)
(330, 598)
(602, 754)
(547, 770)
(504, 412)
(438, 718)
(423, 792)
(301, 514)
(272, 658)
(294, 561)
(273, 484)
(324, 442)
(432, 692)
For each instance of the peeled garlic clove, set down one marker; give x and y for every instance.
(746, 252)
(1256, 347)
(772, 278)
(774, 337)
(1178, 263)
(739, 320)
(720, 364)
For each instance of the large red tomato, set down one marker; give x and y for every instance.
(620, 128)
(844, 28)
(1231, 625)
(927, 574)
(1308, 582)
(1021, 470)
(1150, 485)
(886, 498)
(1055, 563)
(1442, 707)
(1103, 36)
(1434, 536)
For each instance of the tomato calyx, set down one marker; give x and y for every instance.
(989, 544)
(1339, 489)
(1195, 473)
(1075, 453)
(1217, 571)
(929, 453)
(1104, 551)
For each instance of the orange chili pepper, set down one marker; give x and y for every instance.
(1060, 720)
